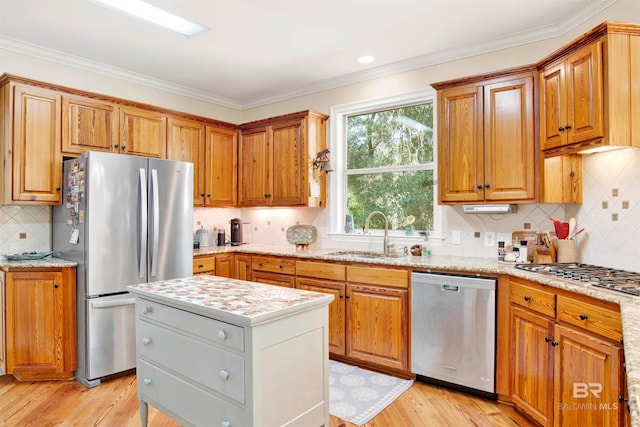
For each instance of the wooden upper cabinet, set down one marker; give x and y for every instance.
(185, 142)
(221, 170)
(36, 169)
(486, 138)
(143, 132)
(88, 124)
(275, 161)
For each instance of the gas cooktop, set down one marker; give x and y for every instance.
(623, 281)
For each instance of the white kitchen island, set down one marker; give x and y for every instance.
(214, 351)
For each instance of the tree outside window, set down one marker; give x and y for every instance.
(390, 166)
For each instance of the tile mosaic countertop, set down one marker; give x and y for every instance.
(50, 262)
(236, 301)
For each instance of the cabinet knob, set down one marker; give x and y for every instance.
(225, 423)
(547, 339)
(116, 145)
(486, 185)
(340, 296)
(280, 266)
(148, 381)
(222, 335)
(146, 310)
(124, 147)
(560, 129)
(347, 296)
(202, 195)
(554, 343)
(567, 127)
(55, 285)
(224, 374)
(58, 188)
(146, 341)
(209, 195)
(527, 298)
(583, 317)
(200, 265)
(479, 186)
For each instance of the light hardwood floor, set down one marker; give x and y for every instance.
(114, 403)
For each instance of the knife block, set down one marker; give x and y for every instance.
(542, 255)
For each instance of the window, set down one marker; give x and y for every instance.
(386, 162)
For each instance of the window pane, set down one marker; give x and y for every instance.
(396, 194)
(402, 136)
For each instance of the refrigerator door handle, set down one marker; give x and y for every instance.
(142, 265)
(156, 222)
(117, 303)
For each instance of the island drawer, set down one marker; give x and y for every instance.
(321, 270)
(592, 317)
(532, 298)
(273, 264)
(198, 407)
(198, 361)
(220, 333)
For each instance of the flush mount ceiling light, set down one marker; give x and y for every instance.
(366, 59)
(154, 15)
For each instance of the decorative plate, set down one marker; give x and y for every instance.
(301, 235)
(28, 256)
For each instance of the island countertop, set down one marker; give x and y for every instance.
(238, 301)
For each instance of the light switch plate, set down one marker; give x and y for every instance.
(455, 237)
(489, 238)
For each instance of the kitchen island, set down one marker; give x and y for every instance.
(219, 351)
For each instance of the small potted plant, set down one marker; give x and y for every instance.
(408, 225)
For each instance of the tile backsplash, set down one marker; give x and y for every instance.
(24, 229)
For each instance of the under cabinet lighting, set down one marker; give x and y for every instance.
(155, 15)
(366, 59)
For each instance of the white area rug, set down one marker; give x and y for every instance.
(357, 395)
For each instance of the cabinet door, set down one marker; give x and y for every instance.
(143, 133)
(224, 265)
(3, 326)
(221, 177)
(460, 148)
(88, 124)
(287, 172)
(532, 364)
(562, 182)
(336, 309)
(254, 164)
(585, 94)
(509, 140)
(376, 326)
(37, 316)
(553, 110)
(37, 161)
(588, 380)
(243, 267)
(186, 143)
(273, 279)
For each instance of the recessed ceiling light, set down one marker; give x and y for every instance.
(155, 15)
(366, 59)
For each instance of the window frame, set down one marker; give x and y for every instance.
(337, 179)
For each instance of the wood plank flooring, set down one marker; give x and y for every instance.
(115, 403)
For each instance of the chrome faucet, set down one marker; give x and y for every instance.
(386, 229)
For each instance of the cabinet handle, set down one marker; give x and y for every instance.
(625, 400)
(224, 374)
(222, 335)
(527, 298)
(225, 423)
(583, 317)
(560, 129)
(116, 145)
(55, 285)
(347, 296)
(58, 188)
(124, 147)
(554, 343)
(547, 339)
(148, 381)
(201, 194)
(486, 185)
(209, 195)
(280, 266)
(340, 296)
(567, 127)
(479, 186)
(146, 310)
(146, 341)
(200, 265)
(260, 264)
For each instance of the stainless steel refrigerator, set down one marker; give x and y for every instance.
(124, 220)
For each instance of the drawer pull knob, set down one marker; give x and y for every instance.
(146, 310)
(222, 335)
(224, 374)
(146, 341)
(554, 343)
(527, 298)
(583, 317)
(225, 423)
(547, 339)
(148, 381)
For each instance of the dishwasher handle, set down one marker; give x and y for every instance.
(450, 288)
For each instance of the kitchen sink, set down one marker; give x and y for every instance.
(362, 254)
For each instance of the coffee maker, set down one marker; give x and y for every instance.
(236, 232)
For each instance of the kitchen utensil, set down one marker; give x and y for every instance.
(550, 245)
(562, 228)
(572, 226)
(576, 233)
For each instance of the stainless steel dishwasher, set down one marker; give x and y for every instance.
(453, 331)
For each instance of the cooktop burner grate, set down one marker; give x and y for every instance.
(623, 281)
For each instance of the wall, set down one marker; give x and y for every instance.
(34, 221)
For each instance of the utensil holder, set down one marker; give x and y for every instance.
(566, 250)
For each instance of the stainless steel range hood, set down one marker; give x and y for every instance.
(490, 209)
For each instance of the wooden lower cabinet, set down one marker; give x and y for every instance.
(225, 264)
(242, 267)
(218, 264)
(273, 271)
(41, 324)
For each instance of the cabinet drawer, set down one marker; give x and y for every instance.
(274, 265)
(592, 317)
(197, 361)
(204, 265)
(378, 276)
(321, 270)
(196, 406)
(534, 299)
(220, 333)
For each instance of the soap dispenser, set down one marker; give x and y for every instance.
(426, 252)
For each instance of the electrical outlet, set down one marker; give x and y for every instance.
(489, 238)
(455, 237)
(23, 235)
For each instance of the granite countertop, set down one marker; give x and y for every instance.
(629, 305)
(49, 262)
(236, 301)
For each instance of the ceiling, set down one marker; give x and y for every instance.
(261, 51)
